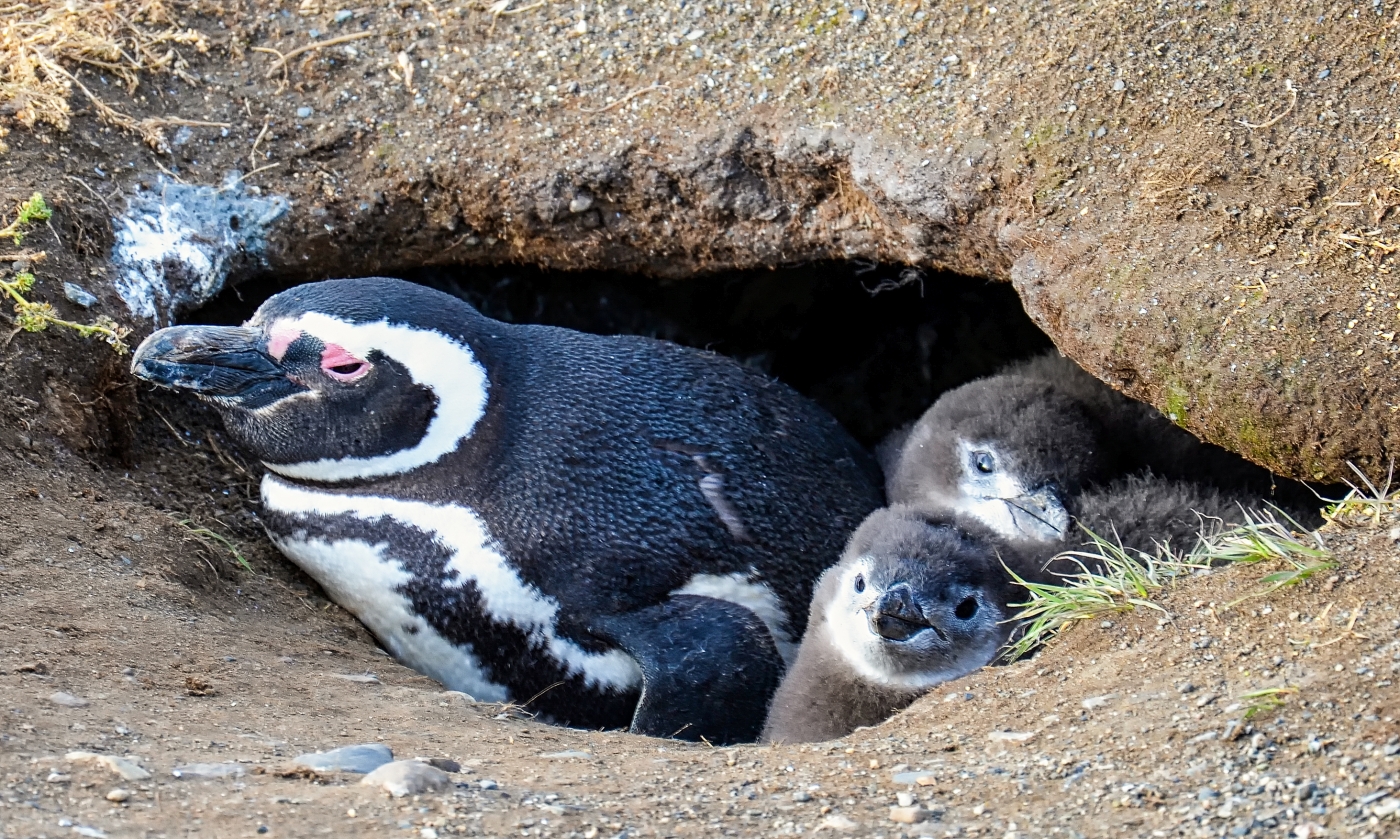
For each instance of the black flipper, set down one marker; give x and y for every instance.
(709, 668)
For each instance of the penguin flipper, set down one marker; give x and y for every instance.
(709, 668)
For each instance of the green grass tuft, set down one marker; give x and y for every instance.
(210, 538)
(1113, 578)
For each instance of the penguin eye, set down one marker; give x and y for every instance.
(966, 609)
(340, 365)
(860, 583)
(984, 462)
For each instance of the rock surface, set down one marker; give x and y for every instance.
(407, 777)
(359, 760)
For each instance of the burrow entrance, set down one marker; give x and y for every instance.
(873, 344)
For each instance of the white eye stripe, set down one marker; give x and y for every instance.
(446, 367)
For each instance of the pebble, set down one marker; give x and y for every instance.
(801, 796)
(1010, 736)
(1120, 85)
(441, 763)
(1185, 687)
(572, 753)
(361, 678)
(920, 778)
(343, 15)
(305, 112)
(89, 832)
(68, 700)
(77, 294)
(487, 783)
(123, 767)
(581, 203)
(906, 799)
(407, 777)
(360, 759)
(836, 821)
(210, 770)
(908, 815)
(1097, 701)
(119, 795)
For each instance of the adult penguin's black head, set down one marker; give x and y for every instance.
(1005, 450)
(915, 602)
(334, 381)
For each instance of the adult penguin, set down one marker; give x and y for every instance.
(624, 530)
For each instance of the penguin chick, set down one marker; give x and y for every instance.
(912, 603)
(1006, 450)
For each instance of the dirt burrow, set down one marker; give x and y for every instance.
(1197, 202)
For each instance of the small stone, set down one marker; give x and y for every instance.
(407, 777)
(859, 16)
(1206, 794)
(343, 15)
(1097, 701)
(1185, 687)
(358, 678)
(79, 295)
(1305, 791)
(58, 778)
(89, 832)
(908, 815)
(128, 770)
(1324, 73)
(441, 763)
(1386, 808)
(581, 203)
(68, 700)
(1120, 85)
(1106, 624)
(801, 796)
(360, 759)
(836, 821)
(210, 770)
(305, 112)
(906, 799)
(913, 778)
(1394, 534)
(568, 755)
(487, 783)
(1206, 699)
(428, 833)
(119, 795)
(1010, 736)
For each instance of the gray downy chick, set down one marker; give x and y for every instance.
(913, 602)
(1008, 451)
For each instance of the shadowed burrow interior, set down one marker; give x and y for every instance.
(873, 344)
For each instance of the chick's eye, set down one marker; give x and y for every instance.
(860, 583)
(340, 365)
(984, 462)
(966, 609)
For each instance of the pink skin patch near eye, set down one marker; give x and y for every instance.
(280, 338)
(340, 365)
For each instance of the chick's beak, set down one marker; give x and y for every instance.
(897, 616)
(226, 361)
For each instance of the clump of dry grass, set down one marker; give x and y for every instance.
(46, 44)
